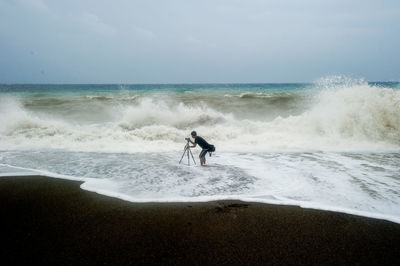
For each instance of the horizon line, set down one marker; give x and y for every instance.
(178, 83)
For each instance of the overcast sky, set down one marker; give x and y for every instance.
(185, 41)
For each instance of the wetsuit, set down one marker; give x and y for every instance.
(204, 145)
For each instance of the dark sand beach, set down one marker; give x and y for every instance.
(52, 221)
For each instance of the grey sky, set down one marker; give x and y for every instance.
(148, 41)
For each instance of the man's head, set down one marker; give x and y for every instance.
(194, 134)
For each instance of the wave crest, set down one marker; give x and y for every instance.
(343, 117)
(156, 112)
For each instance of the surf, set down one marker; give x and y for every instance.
(329, 116)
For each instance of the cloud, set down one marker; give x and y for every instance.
(144, 32)
(36, 4)
(30, 5)
(194, 42)
(270, 40)
(191, 40)
(94, 24)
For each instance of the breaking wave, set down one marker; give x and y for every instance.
(339, 116)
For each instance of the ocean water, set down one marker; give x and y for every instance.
(333, 144)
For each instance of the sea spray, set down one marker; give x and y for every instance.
(340, 117)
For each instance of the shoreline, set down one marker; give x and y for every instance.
(123, 197)
(49, 220)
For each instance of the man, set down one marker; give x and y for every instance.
(203, 144)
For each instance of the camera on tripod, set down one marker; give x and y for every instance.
(187, 151)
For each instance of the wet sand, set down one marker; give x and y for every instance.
(52, 222)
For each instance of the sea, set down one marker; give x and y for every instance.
(333, 144)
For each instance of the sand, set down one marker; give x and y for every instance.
(52, 221)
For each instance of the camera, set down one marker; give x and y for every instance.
(187, 139)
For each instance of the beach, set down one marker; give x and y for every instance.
(199, 133)
(53, 221)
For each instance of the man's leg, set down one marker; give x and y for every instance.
(203, 156)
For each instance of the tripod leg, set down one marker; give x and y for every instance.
(192, 156)
(183, 154)
(188, 150)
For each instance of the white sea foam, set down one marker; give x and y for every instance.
(362, 184)
(343, 118)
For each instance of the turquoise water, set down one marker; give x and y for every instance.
(83, 88)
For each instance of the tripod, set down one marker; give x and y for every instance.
(187, 150)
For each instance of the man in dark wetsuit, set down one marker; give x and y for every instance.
(206, 147)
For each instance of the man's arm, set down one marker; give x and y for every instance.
(194, 144)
